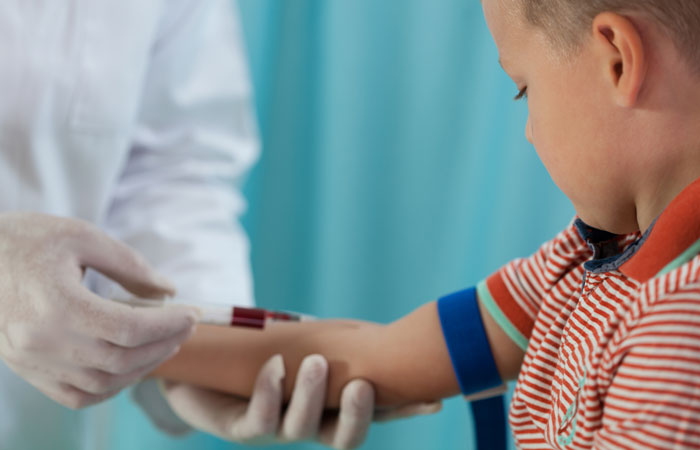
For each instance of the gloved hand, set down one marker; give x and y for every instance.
(76, 347)
(261, 421)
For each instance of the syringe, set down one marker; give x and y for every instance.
(225, 315)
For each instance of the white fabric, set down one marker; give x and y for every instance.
(134, 115)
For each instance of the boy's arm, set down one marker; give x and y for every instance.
(407, 361)
(507, 355)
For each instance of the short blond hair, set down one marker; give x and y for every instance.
(565, 22)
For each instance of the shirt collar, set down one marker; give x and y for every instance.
(673, 239)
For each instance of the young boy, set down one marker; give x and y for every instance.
(607, 314)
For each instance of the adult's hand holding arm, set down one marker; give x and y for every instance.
(258, 420)
(76, 347)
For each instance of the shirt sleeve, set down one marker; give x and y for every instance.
(178, 199)
(514, 293)
(653, 401)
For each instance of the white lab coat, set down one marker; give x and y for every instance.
(134, 115)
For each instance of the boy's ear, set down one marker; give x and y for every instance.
(623, 56)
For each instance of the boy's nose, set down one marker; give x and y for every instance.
(528, 130)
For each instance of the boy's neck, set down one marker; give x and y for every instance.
(667, 138)
(669, 181)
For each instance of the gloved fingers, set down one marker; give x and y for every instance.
(129, 326)
(23, 342)
(117, 360)
(402, 412)
(261, 420)
(349, 428)
(98, 382)
(227, 416)
(303, 416)
(66, 394)
(89, 381)
(204, 409)
(75, 398)
(51, 350)
(119, 262)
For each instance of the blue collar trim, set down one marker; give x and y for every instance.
(607, 252)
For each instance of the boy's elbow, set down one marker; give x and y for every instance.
(415, 366)
(371, 357)
(409, 363)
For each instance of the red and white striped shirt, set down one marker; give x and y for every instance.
(611, 328)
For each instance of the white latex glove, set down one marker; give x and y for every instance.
(262, 420)
(76, 347)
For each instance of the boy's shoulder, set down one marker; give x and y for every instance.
(676, 291)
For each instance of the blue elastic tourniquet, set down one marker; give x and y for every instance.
(467, 342)
(490, 423)
(474, 365)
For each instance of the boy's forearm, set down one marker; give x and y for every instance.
(229, 359)
(406, 361)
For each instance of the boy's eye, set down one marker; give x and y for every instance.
(521, 94)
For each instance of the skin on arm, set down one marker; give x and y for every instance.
(407, 361)
(506, 353)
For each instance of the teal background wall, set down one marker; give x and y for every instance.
(394, 170)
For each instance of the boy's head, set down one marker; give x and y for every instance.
(613, 91)
(566, 22)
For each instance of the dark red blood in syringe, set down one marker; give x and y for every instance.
(276, 315)
(248, 317)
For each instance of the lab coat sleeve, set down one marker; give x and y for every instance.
(178, 199)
